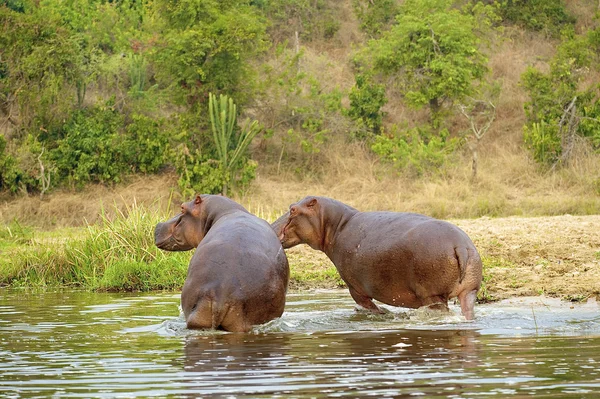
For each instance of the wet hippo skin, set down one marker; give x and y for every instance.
(400, 259)
(239, 273)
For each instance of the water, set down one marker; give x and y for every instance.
(75, 344)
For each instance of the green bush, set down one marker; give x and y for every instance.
(146, 146)
(375, 16)
(198, 173)
(416, 151)
(544, 141)
(552, 93)
(19, 165)
(366, 100)
(432, 52)
(548, 16)
(88, 148)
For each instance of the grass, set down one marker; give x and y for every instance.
(117, 253)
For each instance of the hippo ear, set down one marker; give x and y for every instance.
(197, 200)
(312, 203)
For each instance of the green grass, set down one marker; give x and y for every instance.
(116, 254)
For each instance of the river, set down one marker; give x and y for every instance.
(72, 344)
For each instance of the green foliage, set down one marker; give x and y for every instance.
(548, 16)
(375, 16)
(146, 146)
(416, 151)
(198, 173)
(231, 143)
(366, 100)
(311, 19)
(552, 93)
(433, 50)
(205, 45)
(88, 148)
(20, 165)
(544, 141)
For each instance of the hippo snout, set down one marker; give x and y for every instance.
(279, 225)
(161, 235)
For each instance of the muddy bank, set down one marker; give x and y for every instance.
(557, 256)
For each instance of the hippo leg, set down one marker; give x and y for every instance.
(467, 303)
(365, 302)
(436, 303)
(235, 320)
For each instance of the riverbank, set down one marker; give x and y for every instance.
(557, 256)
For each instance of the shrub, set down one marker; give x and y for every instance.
(366, 100)
(433, 53)
(416, 151)
(375, 16)
(559, 106)
(146, 145)
(20, 165)
(548, 16)
(88, 148)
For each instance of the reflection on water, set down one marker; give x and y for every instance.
(72, 344)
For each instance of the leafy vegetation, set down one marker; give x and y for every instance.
(433, 52)
(416, 151)
(93, 92)
(561, 106)
(548, 16)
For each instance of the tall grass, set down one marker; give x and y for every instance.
(117, 253)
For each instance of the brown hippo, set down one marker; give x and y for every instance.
(239, 273)
(400, 259)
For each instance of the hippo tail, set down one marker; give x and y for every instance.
(462, 255)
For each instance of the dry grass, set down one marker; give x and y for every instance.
(66, 208)
(584, 11)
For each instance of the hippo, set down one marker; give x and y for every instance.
(239, 273)
(400, 259)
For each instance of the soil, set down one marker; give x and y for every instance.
(556, 256)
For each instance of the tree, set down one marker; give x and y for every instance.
(433, 52)
(204, 45)
(480, 115)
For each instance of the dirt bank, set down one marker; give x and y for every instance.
(555, 256)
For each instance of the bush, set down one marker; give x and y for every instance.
(375, 16)
(553, 94)
(19, 165)
(146, 145)
(416, 151)
(432, 52)
(88, 148)
(366, 100)
(548, 16)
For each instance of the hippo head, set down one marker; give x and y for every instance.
(302, 224)
(184, 231)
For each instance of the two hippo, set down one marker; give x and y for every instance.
(238, 275)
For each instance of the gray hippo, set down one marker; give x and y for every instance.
(400, 259)
(238, 275)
